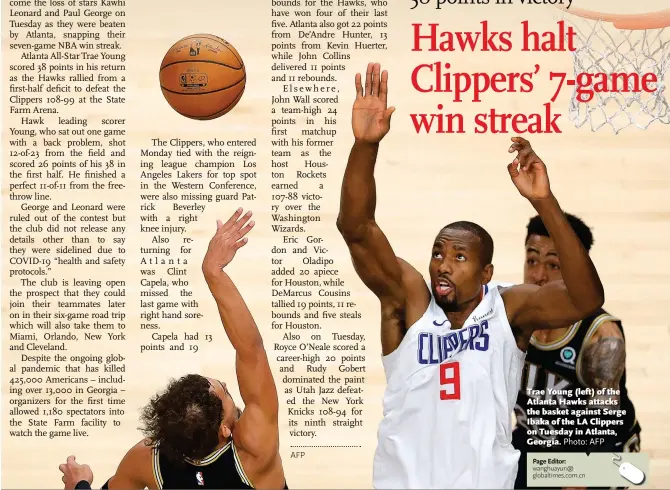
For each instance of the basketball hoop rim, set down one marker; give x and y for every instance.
(650, 20)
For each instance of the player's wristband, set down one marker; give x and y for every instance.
(82, 485)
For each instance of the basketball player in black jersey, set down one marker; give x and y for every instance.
(587, 354)
(196, 436)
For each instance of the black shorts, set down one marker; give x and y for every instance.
(631, 445)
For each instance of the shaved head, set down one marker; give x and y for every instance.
(485, 240)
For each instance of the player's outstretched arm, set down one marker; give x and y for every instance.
(372, 255)
(259, 421)
(580, 293)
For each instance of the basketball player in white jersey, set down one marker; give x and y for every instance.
(453, 352)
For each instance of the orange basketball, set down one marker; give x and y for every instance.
(202, 76)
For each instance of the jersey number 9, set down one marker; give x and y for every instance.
(450, 381)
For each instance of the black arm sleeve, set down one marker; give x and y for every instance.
(84, 485)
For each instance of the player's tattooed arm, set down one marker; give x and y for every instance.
(603, 362)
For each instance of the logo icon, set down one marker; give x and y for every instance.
(201, 480)
(568, 355)
(194, 49)
(191, 80)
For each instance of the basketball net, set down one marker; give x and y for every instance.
(607, 45)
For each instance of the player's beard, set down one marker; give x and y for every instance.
(447, 304)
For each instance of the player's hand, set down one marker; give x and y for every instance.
(370, 118)
(528, 172)
(74, 472)
(228, 239)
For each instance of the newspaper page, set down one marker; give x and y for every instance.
(335, 244)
